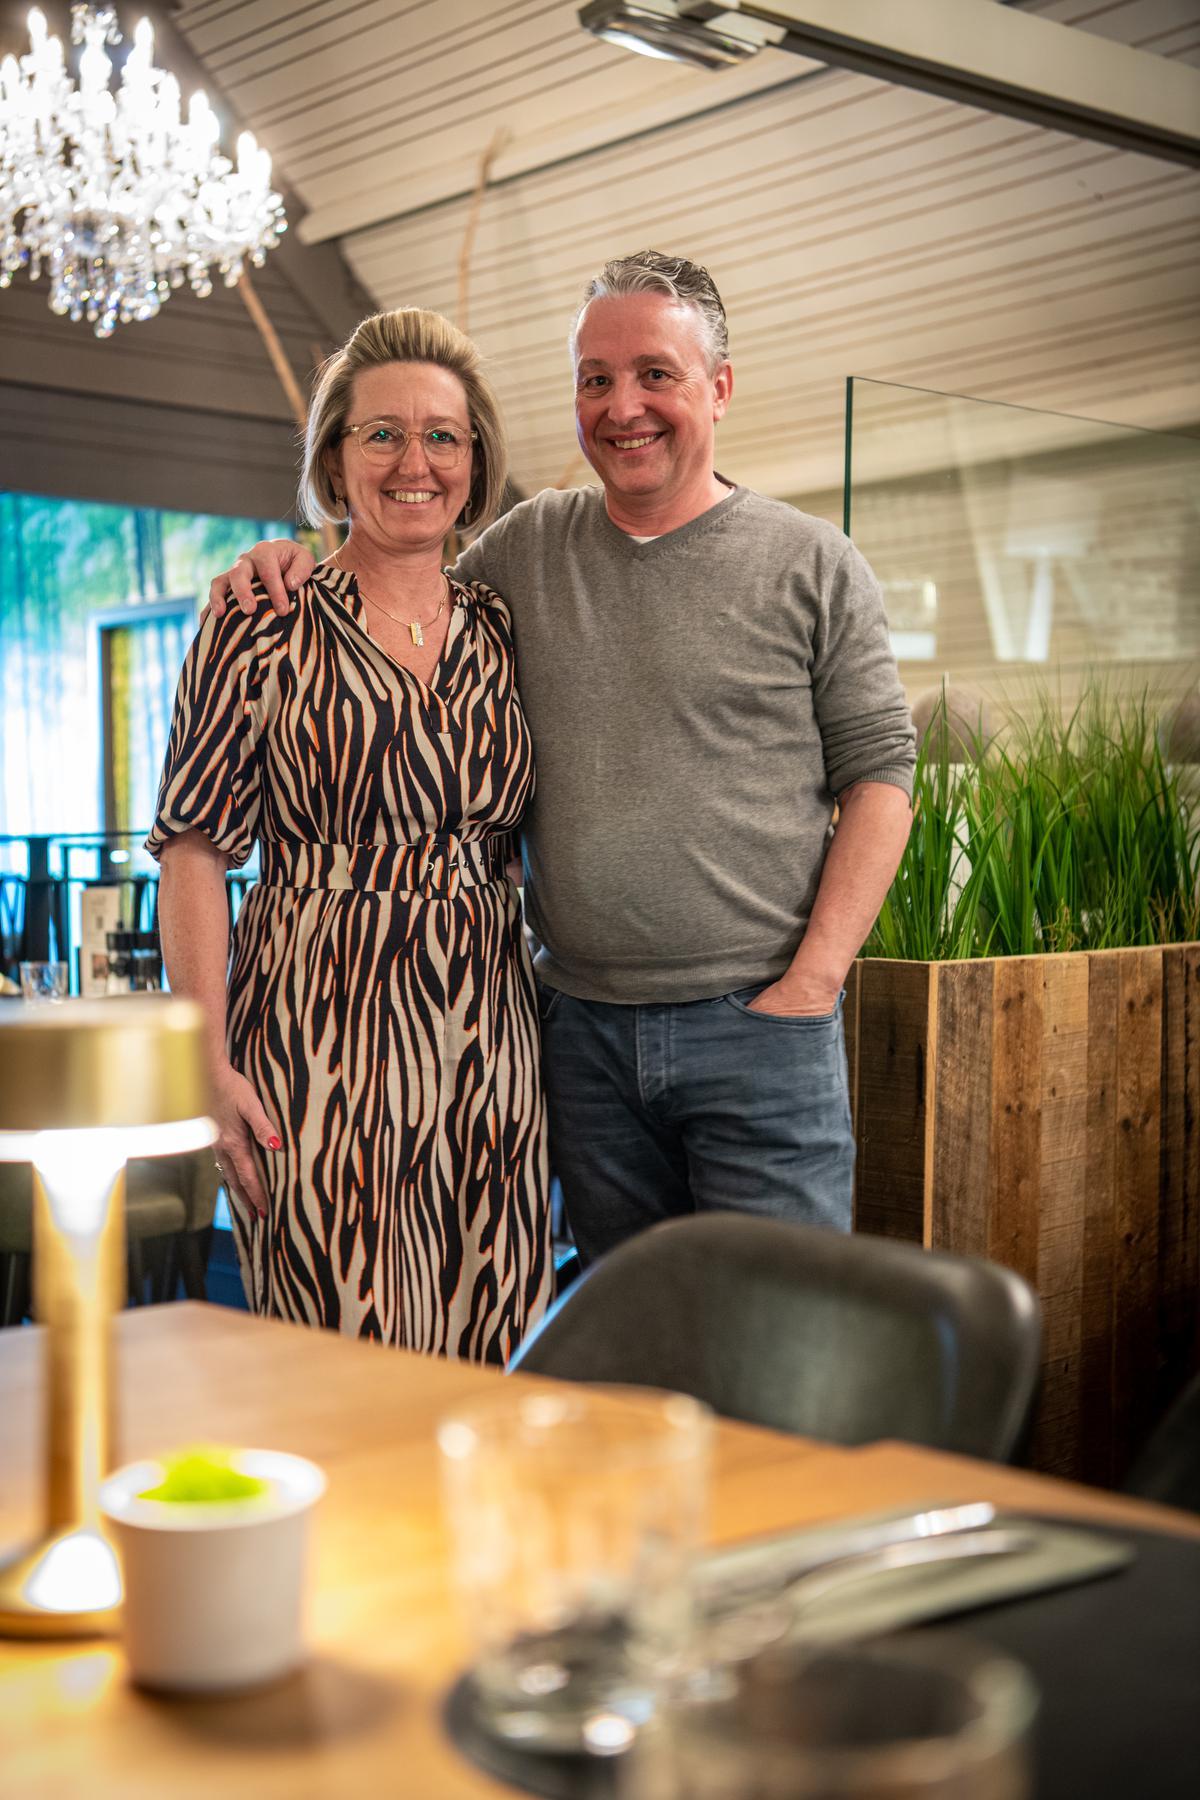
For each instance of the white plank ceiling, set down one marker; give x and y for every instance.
(854, 228)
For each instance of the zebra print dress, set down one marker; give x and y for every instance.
(381, 1000)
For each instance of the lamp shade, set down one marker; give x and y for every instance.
(135, 1064)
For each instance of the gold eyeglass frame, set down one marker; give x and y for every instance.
(407, 436)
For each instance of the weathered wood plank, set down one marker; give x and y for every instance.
(1060, 1135)
(1055, 1440)
(1136, 1200)
(962, 1129)
(1014, 1191)
(1179, 1174)
(850, 1029)
(890, 1127)
(1096, 1319)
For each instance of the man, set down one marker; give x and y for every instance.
(705, 672)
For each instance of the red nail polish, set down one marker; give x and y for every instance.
(274, 1143)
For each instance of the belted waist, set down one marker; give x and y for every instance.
(432, 865)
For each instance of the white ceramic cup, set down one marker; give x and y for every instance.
(213, 1590)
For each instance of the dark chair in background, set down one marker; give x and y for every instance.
(169, 1205)
(194, 1179)
(12, 919)
(1167, 1468)
(844, 1338)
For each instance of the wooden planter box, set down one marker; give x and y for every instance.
(1045, 1111)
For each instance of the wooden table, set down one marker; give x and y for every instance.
(362, 1718)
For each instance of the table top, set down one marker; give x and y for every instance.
(364, 1713)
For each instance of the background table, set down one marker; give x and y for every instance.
(363, 1716)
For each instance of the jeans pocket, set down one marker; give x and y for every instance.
(740, 1000)
(547, 1002)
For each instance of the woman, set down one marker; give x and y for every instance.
(377, 1037)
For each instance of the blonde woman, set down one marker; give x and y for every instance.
(375, 1043)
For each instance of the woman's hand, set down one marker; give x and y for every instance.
(281, 564)
(241, 1123)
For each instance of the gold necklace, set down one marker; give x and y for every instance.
(415, 626)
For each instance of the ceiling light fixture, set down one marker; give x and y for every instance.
(974, 52)
(113, 193)
(703, 33)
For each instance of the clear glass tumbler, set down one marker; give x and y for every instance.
(926, 1716)
(575, 1518)
(44, 981)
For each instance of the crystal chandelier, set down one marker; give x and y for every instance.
(117, 196)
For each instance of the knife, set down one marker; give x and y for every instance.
(742, 1571)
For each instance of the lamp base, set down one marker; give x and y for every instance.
(68, 1586)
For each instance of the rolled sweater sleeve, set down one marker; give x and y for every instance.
(864, 719)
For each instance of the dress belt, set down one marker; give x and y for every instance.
(432, 865)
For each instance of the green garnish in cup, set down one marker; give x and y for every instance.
(204, 1476)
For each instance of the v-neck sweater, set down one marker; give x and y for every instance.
(697, 702)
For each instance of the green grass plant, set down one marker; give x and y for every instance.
(1062, 833)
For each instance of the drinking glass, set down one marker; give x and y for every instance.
(928, 1716)
(575, 1518)
(44, 980)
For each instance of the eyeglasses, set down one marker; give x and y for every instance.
(386, 440)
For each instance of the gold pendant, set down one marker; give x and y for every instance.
(418, 636)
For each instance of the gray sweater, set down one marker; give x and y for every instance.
(696, 704)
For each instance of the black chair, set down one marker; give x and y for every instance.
(844, 1338)
(1167, 1468)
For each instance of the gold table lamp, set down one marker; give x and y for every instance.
(84, 1085)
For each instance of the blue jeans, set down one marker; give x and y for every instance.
(657, 1111)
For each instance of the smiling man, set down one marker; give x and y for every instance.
(706, 673)
(646, 402)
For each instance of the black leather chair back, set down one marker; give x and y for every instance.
(844, 1338)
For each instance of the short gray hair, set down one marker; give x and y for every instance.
(650, 272)
(406, 335)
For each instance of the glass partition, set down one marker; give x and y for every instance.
(1011, 542)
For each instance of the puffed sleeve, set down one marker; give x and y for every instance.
(211, 779)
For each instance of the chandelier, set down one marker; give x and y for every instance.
(116, 195)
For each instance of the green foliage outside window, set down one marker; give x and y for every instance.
(65, 567)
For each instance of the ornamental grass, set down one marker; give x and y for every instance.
(1061, 833)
